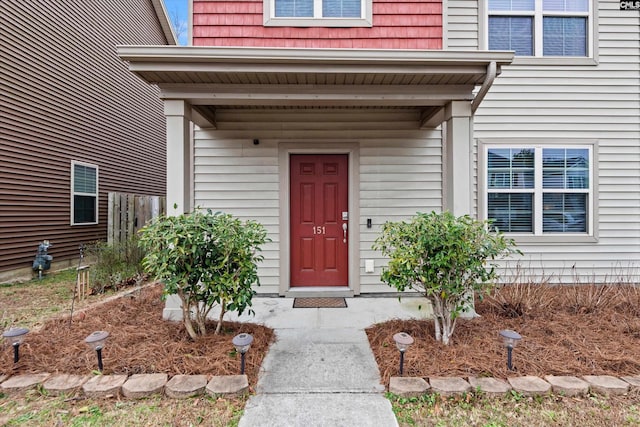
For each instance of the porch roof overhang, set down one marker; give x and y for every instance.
(217, 77)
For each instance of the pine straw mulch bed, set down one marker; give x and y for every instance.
(139, 342)
(566, 330)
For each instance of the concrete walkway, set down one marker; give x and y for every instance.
(321, 371)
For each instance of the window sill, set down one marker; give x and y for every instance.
(550, 61)
(320, 22)
(556, 238)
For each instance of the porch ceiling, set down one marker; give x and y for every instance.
(313, 78)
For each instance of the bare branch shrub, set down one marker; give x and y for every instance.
(523, 295)
(624, 275)
(626, 281)
(628, 300)
(590, 298)
(586, 296)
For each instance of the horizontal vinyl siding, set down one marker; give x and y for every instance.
(462, 24)
(400, 171)
(234, 176)
(398, 177)
(600, 104)
(65, 95)
(406, 24)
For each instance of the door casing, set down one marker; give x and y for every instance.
(309, 147)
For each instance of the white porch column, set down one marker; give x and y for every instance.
(458, 159)
(459, 169)
(178, 115)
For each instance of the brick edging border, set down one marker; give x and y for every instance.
(606, 385)
(133, 387)
(182, 386)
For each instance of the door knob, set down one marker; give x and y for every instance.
(344, 231)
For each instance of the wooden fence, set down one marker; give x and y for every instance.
(128, 213)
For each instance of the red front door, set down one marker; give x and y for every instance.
(319, 219)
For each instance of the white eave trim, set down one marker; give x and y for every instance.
(165, 22)
(187, 54)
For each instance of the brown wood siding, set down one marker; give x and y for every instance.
(397, 24)
(65, 95)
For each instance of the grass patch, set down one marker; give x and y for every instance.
(33, 409)
(514, 409)
(29, 304)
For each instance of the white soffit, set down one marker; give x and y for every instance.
(312, 77)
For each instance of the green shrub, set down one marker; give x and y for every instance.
(206, 259)
(115, 264)
(443, 257)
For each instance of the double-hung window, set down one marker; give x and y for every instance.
(84, 193)
(541, 28)
(315, 13)
(539, 190)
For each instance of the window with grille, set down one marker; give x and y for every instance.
(556, 28)
(84, 193)
(330, 13)
(538, 189)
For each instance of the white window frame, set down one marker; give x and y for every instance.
(270, 19)
(538, 191)
(74, 193)
(538, 15)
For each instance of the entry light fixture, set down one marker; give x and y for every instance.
(242, 342)
(510, 340)
(96, 341)
(15, 337)
(403, 342)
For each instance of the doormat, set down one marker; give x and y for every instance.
(319, 303)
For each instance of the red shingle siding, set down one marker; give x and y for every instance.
(396, 25)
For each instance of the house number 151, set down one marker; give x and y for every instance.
(319, 230)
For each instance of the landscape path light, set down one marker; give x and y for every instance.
(15, 336)
(97, 341)
(510, 340)
(403, 341)
(242, 342)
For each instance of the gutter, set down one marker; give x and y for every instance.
(475, 61)
(492, 70)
